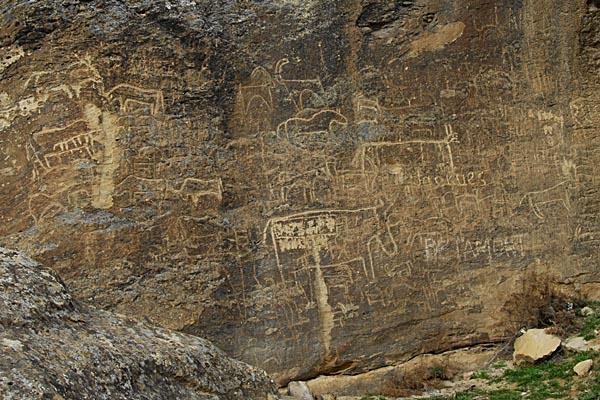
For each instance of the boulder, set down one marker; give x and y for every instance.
(534, 345)
(300, 391)
(576, 344)
(594, 344)
(55, 347)
(468, 375)
(587, 311)
(583, 368)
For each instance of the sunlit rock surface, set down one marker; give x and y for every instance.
(317, 186)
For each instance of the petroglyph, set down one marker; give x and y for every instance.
(583, 111)
(473, 249)
(333, 283)
(46, 85)
(303, 231)
(584, 235)
(200, 238)
(317, 123)
(70, 81)
(340, 237)
(83, 73)
(135, 190)
(42, 206)
(297, 89)
(78, 146)
(401, 270)
(493, 83)
(29, 105)
(262, 100)
(390, 166)
(79, 198)
(51, 147)
(195, 190)
(259, 92)
(366, 109)
(408, 161)
(539, 200)
(299, 188)
(132, 99)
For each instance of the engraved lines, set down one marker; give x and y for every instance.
(125, 115)
(366, 200)
(426, 172)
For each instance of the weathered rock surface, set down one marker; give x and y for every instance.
(54, 348)
(317, 186)
(576, 344)
(583, 368)
(300, 391)
(534, 345)
(594, 344)
(394, 380)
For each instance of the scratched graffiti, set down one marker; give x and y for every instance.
(302, 193)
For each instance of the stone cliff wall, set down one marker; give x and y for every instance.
(318, 186)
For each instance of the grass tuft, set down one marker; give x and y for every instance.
(590, 324)
(481, 375)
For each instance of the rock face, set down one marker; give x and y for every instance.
(534, 345)
(317, 186)
(414, 375)
(53, 347)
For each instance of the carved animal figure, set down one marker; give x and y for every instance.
(320, 122)
(194, 190)
(132, 99)
(134, 190)
(298, 90)
(538, 200)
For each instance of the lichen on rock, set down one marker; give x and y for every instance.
(55, 347)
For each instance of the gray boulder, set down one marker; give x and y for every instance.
(576, 344)
(53, 347)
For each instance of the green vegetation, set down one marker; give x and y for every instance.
(551, 379)
(481, 375)
(590, 324)
(437, 372)
(504, 394)
(500, 394)
(463, 396)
